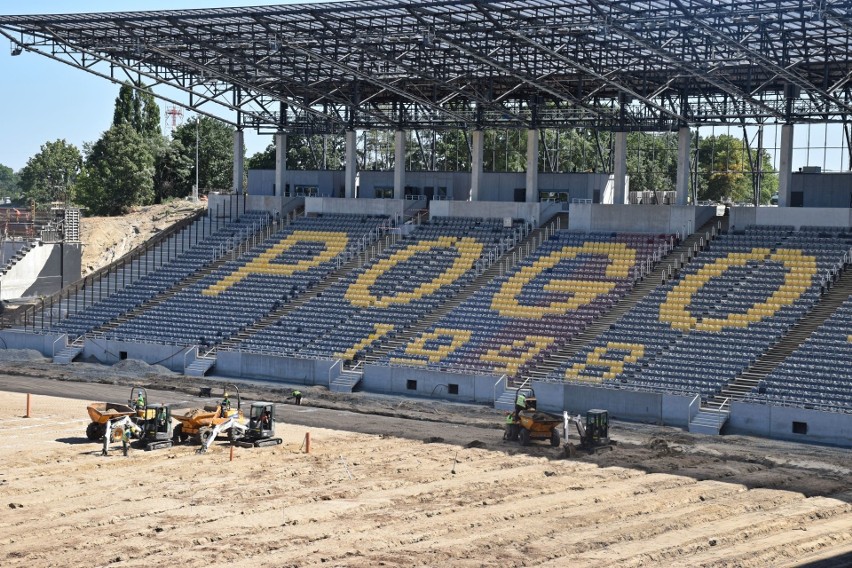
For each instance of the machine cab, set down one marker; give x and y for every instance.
(597, 426)
(157, 424)
(262, 420)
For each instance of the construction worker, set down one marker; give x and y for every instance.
(140, 400)
(298, 396)
(161, 419)
(225, 405)
(125, 440)
(511, 427)
(520, 405)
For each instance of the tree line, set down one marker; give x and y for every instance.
(134, 163)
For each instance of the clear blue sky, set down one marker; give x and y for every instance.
(43, 100)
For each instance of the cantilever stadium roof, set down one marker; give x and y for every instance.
(617, 64)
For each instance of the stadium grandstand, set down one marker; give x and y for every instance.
(712, 318)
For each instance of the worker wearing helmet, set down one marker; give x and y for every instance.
(509, 433)
(225, 405)
(125, 439)
(140, 400)
(520, 404)
(298, 396)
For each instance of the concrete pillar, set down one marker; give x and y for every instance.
(351, 163)
(399, 165)
(478, 144)
(785, 171)
(239, 151)
(280, 163)
(619, 196)
(684, 136)
(532, 165)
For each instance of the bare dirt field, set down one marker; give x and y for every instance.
(387, 498)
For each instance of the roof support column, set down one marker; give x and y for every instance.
(239, 152)
(684, 137)
(399, 165)
(785, 161)
(532, 165)
(281, 187)
(619, 196)
(477, 147)
(351, 163)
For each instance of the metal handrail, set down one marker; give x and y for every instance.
(504, 379)
(188, 351)
(690, 415)
(58, 339)
(719, 420)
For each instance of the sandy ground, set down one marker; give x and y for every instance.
(364, 500)
(106, 239)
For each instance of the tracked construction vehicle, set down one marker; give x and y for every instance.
(594, 433)
(154, 421)
(261, 427)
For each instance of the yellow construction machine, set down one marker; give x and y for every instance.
(199, 424)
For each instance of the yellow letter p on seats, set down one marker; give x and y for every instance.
(334, 243)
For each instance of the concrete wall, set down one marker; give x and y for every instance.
(824, 189)
(777, 422)
(496, 186)
(42, 270)
(795, 216)
(342, 206)
(429, 383)
(655, 408)
(488, 209)
(48, 344)
(275, 368)
(329, 183)
(110, 352)
(638, 218)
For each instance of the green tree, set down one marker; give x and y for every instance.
(138, 108)
(452, 151)
(262, 160)
(9, 182)
(50, 175)
(570, 150)
(215, 154)
(174, 166)
(502, 150)
(315, 152)
(652, 161)
(119, 172)
(722, 169)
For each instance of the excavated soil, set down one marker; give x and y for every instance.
(106, 239)
(364, 500)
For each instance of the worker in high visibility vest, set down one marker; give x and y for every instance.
(520, 405)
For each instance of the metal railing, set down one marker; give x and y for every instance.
(505, 380)
(690, 414)
(720, 413)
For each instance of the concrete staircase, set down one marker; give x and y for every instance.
(69, 353)
(665, 269)
(200, 366)
(347, 381)
(709, 421)
(506, 400)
